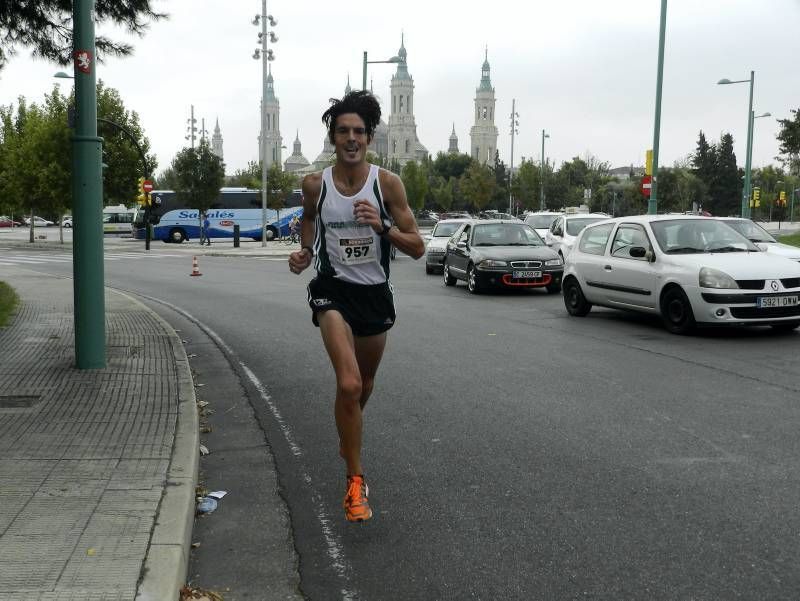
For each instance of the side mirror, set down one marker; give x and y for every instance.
(427, 237)
(638, 252)
(650, 256)
(461, 244)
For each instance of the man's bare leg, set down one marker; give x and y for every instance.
(340, 345)
(369, 352)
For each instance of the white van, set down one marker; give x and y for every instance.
(117, 220)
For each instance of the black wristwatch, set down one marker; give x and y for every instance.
(385, 230)
(309, 249)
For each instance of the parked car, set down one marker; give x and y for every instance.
(428, 215)
(689, 270)
(541, 221)
(502, 254)
(6, 221)
(493, 214)
(761, 237)
(561, 235)
(67, 221)
(455, 215)
(436, 243)
(38, 221)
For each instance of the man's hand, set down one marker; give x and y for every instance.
(366, 214)
(299, 260)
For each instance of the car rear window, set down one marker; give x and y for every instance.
(576, 224)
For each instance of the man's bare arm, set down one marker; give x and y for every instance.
(301, 259)
(405, 236)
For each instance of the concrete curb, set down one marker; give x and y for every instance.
(167, 562)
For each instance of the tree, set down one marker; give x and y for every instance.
(789, 137)
(415, 180)
(280, 184)
(726, 194)
(704, 164)
(45, 26)
(500, 196)
(249, 177)
(443, 192)
(123, 161)
(451, 165)
(525, 186)
(478, 186)
(199, 174)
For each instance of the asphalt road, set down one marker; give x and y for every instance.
(514, 452)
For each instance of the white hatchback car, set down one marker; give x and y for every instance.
(761, 237)
(565, 228)
(541, 221)
(689, 270)
(436, 243)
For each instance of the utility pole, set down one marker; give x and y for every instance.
(514, 125)
(87, 194)
(652, 205)
(191, 129)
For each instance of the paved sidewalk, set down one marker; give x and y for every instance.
(98, 467)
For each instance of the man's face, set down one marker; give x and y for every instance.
(350, 139)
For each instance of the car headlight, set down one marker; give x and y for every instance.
(553, 263)
(714, 278)
(491, 263)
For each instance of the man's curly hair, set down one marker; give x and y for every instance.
(360, 102)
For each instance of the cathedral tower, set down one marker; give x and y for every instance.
(272, 123)
(403, 143)
(453, 142)
(483, 134)
(216, 141)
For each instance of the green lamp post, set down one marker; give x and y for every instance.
(87, 198)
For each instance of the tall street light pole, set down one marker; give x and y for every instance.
(87, 195)
(749, 147)
(514, 130)
(652, 205)
(541, 175)
(266, 56)
(394, 59)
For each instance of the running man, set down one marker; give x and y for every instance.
(352, 213)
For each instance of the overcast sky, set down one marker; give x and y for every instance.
(583, 70)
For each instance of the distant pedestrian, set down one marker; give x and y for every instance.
(206, 229)
(353, 213)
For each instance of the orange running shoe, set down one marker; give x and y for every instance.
(356, 504)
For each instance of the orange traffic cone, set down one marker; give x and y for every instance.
(195, 268)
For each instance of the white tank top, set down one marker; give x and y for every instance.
(343, 249)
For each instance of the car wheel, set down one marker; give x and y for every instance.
(676, 311)
(472, 280)
(554, 288)
(785, 327)
(177, 236)
(574, 301)
(449, 280)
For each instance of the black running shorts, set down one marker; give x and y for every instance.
(368, 309)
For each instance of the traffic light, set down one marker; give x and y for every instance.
(142, 197)
(757, 196)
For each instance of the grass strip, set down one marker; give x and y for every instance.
(8, 302)
(793, 239)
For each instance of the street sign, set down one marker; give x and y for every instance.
(147, 186)
(647, 184)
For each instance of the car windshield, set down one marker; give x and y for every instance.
(751, 231)
(505, 234)
(445, 230)
(540, 222)
(687, 236)
(576, 224)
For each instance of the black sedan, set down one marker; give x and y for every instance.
(503, 254)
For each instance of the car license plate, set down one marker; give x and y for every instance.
(526, 274)
(765, 302)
